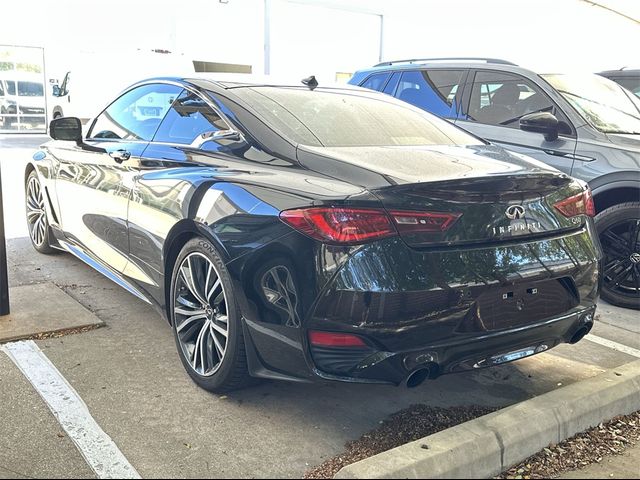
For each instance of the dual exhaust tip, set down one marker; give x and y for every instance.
(418, 376)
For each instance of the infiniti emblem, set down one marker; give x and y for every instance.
(635, 257)
(515, 212)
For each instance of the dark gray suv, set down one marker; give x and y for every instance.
(584, 125)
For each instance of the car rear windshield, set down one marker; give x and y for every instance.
(343, 119)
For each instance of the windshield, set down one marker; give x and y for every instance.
(603, 103)
(345, 119)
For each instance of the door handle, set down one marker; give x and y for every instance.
(120, 155)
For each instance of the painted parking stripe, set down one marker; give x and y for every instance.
(614, 345)
(97, 448)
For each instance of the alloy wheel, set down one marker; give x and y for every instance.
(36, 215)
(621, 245)
(200, 314)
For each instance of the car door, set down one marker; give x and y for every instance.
(94, 179)
(164, 189)
(493, 104)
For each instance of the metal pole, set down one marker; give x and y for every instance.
(4, 282)
(267, 37)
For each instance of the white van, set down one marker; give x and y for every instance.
(22, 100)
(90, 80)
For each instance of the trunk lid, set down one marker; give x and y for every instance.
(494, 195)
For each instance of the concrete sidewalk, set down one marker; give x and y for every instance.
(626, 465)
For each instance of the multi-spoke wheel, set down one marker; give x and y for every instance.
(205, 319)
(36, 214)
(619, 232)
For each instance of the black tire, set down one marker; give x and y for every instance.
(232, 372)
(619, 231)
(41, 240)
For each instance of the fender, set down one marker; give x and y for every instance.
(609, 181)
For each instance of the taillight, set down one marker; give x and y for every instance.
(580, 204)
(340, 225)
(329, 339)
(416, 222)
(349, 226)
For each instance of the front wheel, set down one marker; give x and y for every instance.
(37, 221)
(619, 231)
(206, 319)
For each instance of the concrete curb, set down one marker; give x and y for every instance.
(486, 446)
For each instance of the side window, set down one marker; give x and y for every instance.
(376, 81)
(11, 87)
(432, 90)
(137, 114)
(188, 117)
(501, 99)
(1, 90)
(392, 84)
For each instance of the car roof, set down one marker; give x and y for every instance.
(430, 64)
(238, 80)
(623, 72)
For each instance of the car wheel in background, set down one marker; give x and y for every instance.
(37, 221)
(206, 319)
(619, 231)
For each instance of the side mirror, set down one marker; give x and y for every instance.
(56, 90)
(66, 128)
(541, 122)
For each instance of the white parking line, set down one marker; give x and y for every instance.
(97, 448)
(614, 345)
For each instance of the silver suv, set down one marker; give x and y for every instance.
(584, 125)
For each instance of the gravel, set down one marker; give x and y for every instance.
(407, 425)
(610, 438)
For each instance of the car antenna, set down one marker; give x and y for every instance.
(310, 82)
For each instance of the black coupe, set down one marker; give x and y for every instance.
(299, 232)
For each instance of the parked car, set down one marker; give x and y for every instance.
(584, 125)
(629, 79)
(295, 233)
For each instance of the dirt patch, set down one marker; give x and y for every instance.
(64, 333)
(610, 438)
(406, 426)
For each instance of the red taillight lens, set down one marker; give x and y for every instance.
(328, 339)
(340, 225)
(416, 222)
(580, 204)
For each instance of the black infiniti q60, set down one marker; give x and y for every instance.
(296, 233)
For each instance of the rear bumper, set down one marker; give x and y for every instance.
(454, 310)
(456, 356)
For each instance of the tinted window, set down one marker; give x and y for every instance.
(433, 90)
(1, 90)
(188, 117)
(11, 88)
(630, 83)
(502, 99)
(137, 114)
(334, 118)
(376, 81)
(30, 89)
